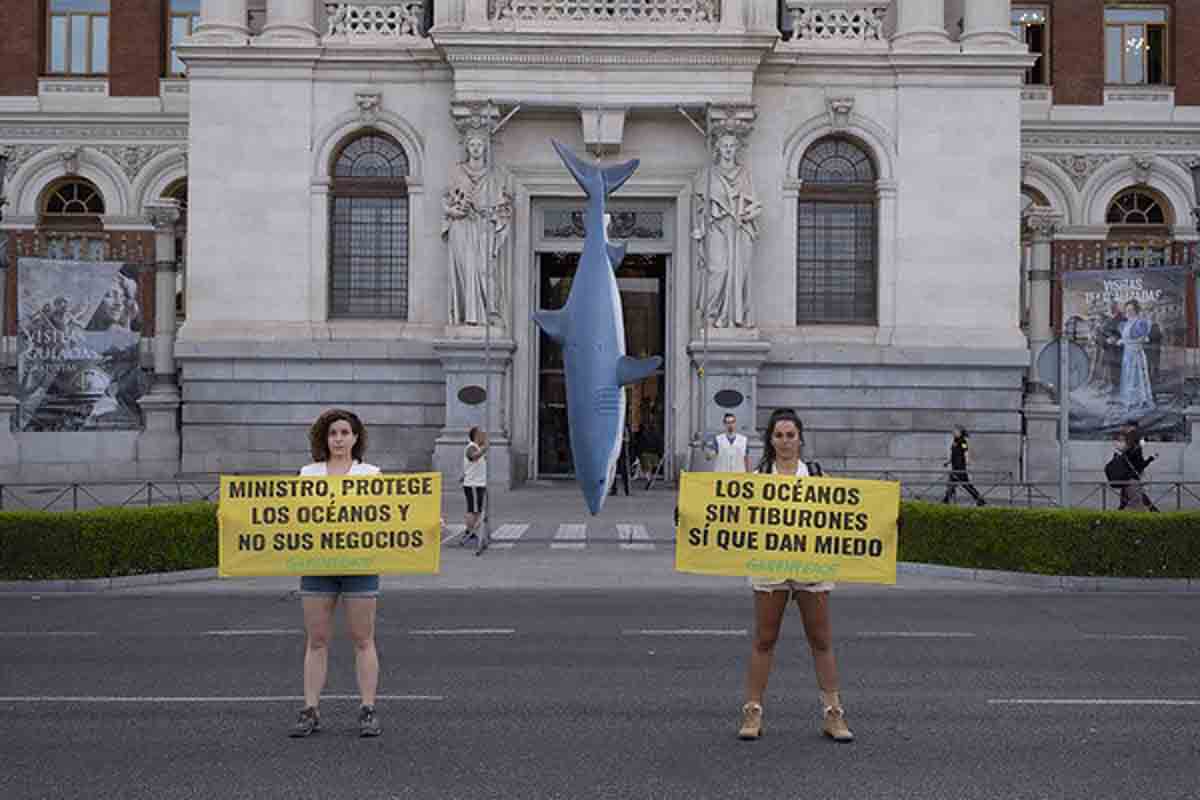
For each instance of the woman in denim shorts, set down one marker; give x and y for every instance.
(782, 443)
(338, 441)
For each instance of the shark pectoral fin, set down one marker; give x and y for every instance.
(616, 253)
(615, 176)
(578, 168)
(635, 370)
(552, 323)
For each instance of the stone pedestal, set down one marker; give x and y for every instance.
(158, 445)
(730, 384)
(10, 449)
(467, 367)
(1041, 436)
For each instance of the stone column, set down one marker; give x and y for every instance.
(1041, 273)
(222, 22)
(289, 22)
(988, 24)
(468, 371)
(921, 25)
(163, 215)
(9, 446)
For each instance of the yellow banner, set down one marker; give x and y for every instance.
(343, 525)
(779, 528)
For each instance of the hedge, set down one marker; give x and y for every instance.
(1053, 541)
(106, 542)
(112, 542)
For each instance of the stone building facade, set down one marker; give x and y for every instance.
(308, 197)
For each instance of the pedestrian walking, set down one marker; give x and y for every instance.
(732, 448)
(622, 464)
(782, 442)
(475, 480)
(1125, 470)
(338, 441)
(959, 459)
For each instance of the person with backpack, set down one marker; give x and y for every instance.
(1124, 471)
(957, 462)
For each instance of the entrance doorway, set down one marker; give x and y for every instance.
(642, 283)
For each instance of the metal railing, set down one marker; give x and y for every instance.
(105, 494)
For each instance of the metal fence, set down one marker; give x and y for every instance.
(997, 488)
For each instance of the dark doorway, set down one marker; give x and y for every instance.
(642, 282)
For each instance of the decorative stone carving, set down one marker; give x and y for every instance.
(384, 21)
(18, 154)
(132, 158)
(619, 13)
(826, 22)
(477, 217)
(1026, 163)
(727, 212)
(70, 159)
(163, 214)
(840, 109)
(1143, 164)
(1080, 167)
(369, 101)
(1042, 223)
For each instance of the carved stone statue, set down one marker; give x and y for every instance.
(727, 230)
(478, 212)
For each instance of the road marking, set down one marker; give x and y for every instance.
(453, 532)
(265, 699)
(43, 634)
(259, 632)
(506, 536)
(685, 632)
(915, 635)
(463, 632)
(634, 537)
(1154, 637)
(1094, 701)
(570, 536)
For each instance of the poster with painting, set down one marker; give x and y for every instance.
(78, 329)
(1133, 324)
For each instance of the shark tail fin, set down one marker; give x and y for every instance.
(635, 370)
(552, 323)
(615, 176)
(616, 253)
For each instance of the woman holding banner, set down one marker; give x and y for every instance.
(782, 443)
(338, 441)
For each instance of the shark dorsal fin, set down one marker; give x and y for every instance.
(553, 324)
(635, 370)
(615, 176)
(616, 253)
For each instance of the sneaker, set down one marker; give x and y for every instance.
(752, 721)
(308, 724)
(368, 723)
(835, 725)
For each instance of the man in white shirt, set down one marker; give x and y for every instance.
(732, 453)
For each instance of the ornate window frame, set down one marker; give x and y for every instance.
(1125, 33)
(90, 14)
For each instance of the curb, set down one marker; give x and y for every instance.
(1063, 583)
(105, 584)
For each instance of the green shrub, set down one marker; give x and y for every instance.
(1053, 541)
(106, 542)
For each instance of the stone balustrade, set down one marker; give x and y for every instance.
(377, 22)
(602, 14)
(838, 22)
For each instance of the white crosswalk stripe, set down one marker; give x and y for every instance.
(450, 533)
(506, 536)
(632, 536)
(570, 536)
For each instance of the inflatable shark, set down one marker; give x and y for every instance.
(591, 330)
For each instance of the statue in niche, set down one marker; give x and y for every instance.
(727, 229)
(478, 212)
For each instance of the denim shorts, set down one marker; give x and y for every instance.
(348, 585)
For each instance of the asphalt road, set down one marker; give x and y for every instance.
(556, 693)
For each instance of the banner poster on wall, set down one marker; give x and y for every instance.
(78, 328)
(1133, 324)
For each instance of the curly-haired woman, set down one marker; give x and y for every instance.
(338, 441)
(782, 442)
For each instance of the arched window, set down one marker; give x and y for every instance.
(178, 191)
(836, 251)
(368, 242)
(1139, 233)
(70, 220)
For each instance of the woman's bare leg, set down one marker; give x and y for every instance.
(768, 615)
(318, 630)
(360, 613)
